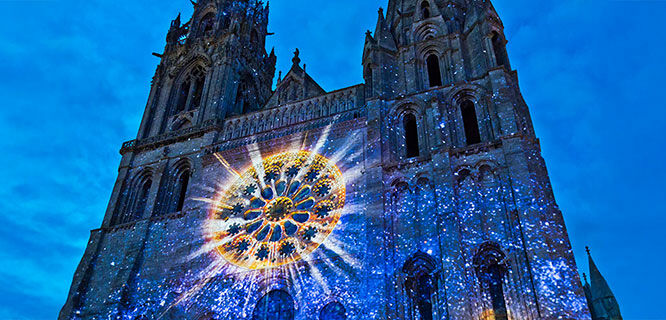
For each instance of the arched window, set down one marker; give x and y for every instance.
(142, 200)
(421, 285)
(275, 305)
(180, 189)
(434, 75)
(425, 9)
(411, 135)
(254, 37)
(333, 311)
(183, 92)
(368, 81)
(499, 49)
(190, 91)
(207, 23)
(470, 122)
(490, 269)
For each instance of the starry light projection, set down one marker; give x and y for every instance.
(293, 212)
(282, 215)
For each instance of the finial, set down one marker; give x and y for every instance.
(368, 33)
(585, 277)
(176, 22)
(588, 250)
(279, 77)
(304, 67)
(381, 11)
(296, 60)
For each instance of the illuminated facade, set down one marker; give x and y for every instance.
(419, 194)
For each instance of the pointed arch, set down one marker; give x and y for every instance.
(208, 23)
(275, 305)
(421, 285)
(425, 9)
(489, 262)
(499, 49)
(135, 198)
(188, 89)
(254, 37)
(182, 174)
(333, 311)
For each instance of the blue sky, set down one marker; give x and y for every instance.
(76, 77)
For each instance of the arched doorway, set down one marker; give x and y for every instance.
(275, 305)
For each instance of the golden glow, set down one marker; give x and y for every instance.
(278, 211)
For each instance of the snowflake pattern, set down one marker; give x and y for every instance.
(285, 219)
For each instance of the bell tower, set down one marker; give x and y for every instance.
(213, 66)
(423, 44)
(418, 194)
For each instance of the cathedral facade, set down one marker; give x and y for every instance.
(418, 194)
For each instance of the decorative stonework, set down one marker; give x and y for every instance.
(278, 212)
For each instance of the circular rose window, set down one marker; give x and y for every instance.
(279, 211)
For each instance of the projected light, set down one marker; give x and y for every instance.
(280, 211)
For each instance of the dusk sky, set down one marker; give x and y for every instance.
(76, 76)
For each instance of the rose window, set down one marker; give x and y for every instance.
(280, 211)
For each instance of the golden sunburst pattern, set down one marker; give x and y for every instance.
(279, 211)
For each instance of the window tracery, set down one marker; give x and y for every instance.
(208, 23)
(279, 213)
(190, 90)
(135, 200)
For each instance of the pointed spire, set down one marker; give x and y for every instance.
(600, 288)
(380, 20)
(176, 22)
(383, 35)
(602, 299)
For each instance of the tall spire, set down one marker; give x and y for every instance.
(383, 35)
(603, 303)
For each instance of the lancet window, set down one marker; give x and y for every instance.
(421, 286)
(190, 90)
(470, 122)
(434, 74)
(411, 135)
(491, 269)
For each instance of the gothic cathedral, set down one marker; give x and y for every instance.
(419, 194)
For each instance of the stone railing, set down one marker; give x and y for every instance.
(170, 137)
(330, 104)
(312, 112)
